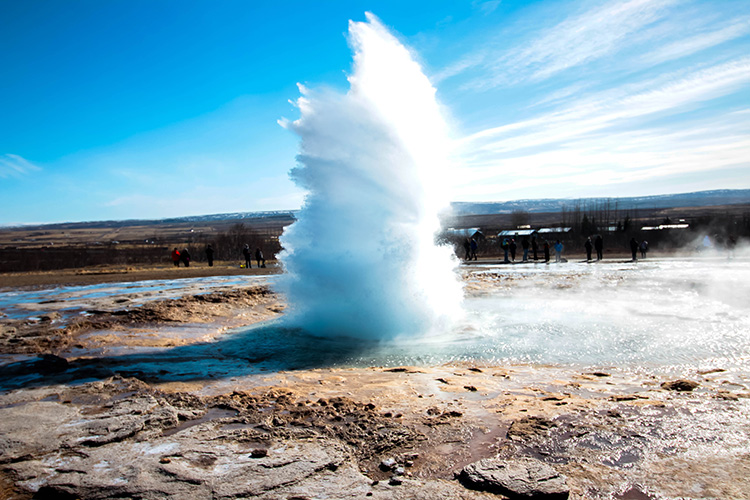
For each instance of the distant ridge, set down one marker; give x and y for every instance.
(233, 216)
(548, 205)
(552, 205)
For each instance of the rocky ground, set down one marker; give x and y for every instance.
(72, 426)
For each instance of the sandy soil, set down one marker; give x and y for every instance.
(71, 427)
(117, 274)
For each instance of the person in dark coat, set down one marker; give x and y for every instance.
(185, 257)
(248, 256)
(599, 245)
(474, 247)
(467, 249)
(546, 251)
(525, 246)
(210, 255)
(176, 257)
(534, 247)
(634, 248)
(259, 258)
(513, 247)
(506, 247)
(588, 247)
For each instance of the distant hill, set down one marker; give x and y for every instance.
(547, 205)
(189, 219)
(553, 205)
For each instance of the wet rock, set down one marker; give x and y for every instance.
(682, 385)
(49, 317)
(470, 388)
(522, 478)
(49, 363)
(529, 427)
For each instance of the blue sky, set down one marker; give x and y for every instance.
(143, 109)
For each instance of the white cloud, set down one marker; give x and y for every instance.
(592, 35)
(691, 45)
(15, 166)
(611, 138)
(615, 107)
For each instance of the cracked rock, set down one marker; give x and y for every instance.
(518, 479)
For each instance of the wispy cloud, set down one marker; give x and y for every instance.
(610, 137)
(693, 44)
(645, 33)
(586, 37)
(596, 112)
(15, 166)
(486, 7)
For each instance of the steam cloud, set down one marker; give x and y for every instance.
(361, 260)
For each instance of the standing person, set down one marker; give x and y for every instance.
(467, 249)
(185, 257)
(506, 246)
(474, 247)
(644, 248)
(558, 251)
(599, 245)
(210, 255)
(176, 257)
(513, 247)
(546, 251)
(588, 247)
(248, 256)
(731, 244)
(634, 248)
(534, 247)
(259, 258)
(525, 246)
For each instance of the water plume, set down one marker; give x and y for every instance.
(361, 259)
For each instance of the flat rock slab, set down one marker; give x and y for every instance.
(521, 478)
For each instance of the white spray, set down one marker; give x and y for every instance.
(361, 260)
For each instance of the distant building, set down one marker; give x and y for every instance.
(516, 232)
(469, 232)
(662, 227)
(554, 230)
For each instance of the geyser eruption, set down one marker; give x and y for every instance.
(361, 260)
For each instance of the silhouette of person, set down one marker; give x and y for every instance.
(210, 255)
(634, 248)
(474, 247)
(506, 247)
(546, 250)
(513, 247)
(534, 247)
(525, 246)
(467, 249)
(644, 248)
(599, 245)
(176, 257)
(259, 258)
(185, 257)
(248, 256)
(731, 244)
(588, 247)
(558, 251)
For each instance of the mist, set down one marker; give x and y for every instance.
(361, 260)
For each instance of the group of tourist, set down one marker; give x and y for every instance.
(247, 253)
(183, 256)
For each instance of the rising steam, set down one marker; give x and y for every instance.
(361, 260)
